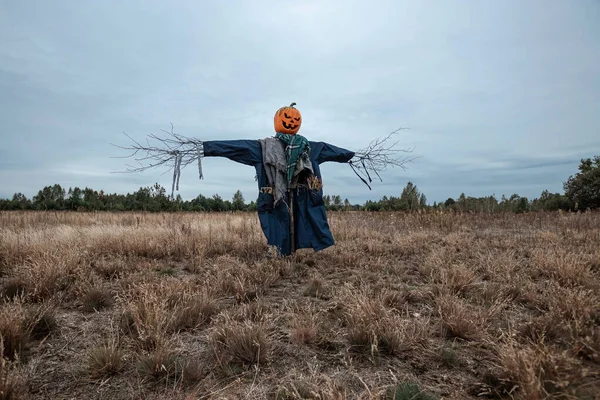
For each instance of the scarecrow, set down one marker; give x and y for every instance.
(290, 202)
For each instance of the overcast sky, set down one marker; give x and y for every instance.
(500, 97)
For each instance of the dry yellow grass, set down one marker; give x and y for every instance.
(451, 306)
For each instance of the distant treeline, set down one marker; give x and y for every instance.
(581, 192)
(154, 198)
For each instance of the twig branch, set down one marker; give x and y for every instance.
(175, 151)
(168, 150)
(380, 154)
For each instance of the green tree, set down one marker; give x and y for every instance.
(74, 200)
(462, 202)
(50, 198)
(522, 205)
(422, 201)
(337, 202)
(551, 202)
(347, 205)
(583, 189)
(237, 202)
(20, 202)
(409, 199)
(218, 204)
(371, 205)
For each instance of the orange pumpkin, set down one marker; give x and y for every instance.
(288, 120)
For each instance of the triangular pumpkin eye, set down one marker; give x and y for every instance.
(287, 116)
(297, 119)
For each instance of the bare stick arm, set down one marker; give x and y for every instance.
(177, 151)
(167, 152)
(174, 150)
(380, 154)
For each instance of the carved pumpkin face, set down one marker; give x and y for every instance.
(288, 120)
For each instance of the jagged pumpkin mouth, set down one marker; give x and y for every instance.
(290, 126)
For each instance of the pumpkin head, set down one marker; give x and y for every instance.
(288, 120)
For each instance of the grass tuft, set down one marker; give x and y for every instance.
(241, 343)
(96, 299)
(162, 365)
(193, 310)
(13, 287)
(41, 321)
(460, 320)
(14, 332)
(306, 327)
(12, 383)
(105, 360)
(407, 391)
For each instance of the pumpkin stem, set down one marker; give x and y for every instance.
(292, 105)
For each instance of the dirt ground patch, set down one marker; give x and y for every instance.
(405, 306)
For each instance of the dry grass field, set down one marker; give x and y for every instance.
(405, 306)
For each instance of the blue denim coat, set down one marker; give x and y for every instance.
(311, 227)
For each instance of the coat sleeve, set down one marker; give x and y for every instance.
(328, 152)
(246, 152)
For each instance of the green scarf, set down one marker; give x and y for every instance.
(296, 146)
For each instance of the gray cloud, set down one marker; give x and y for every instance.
(499, 97)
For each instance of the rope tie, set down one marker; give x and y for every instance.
(176, 172)
(177, 167)
(199, 150)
